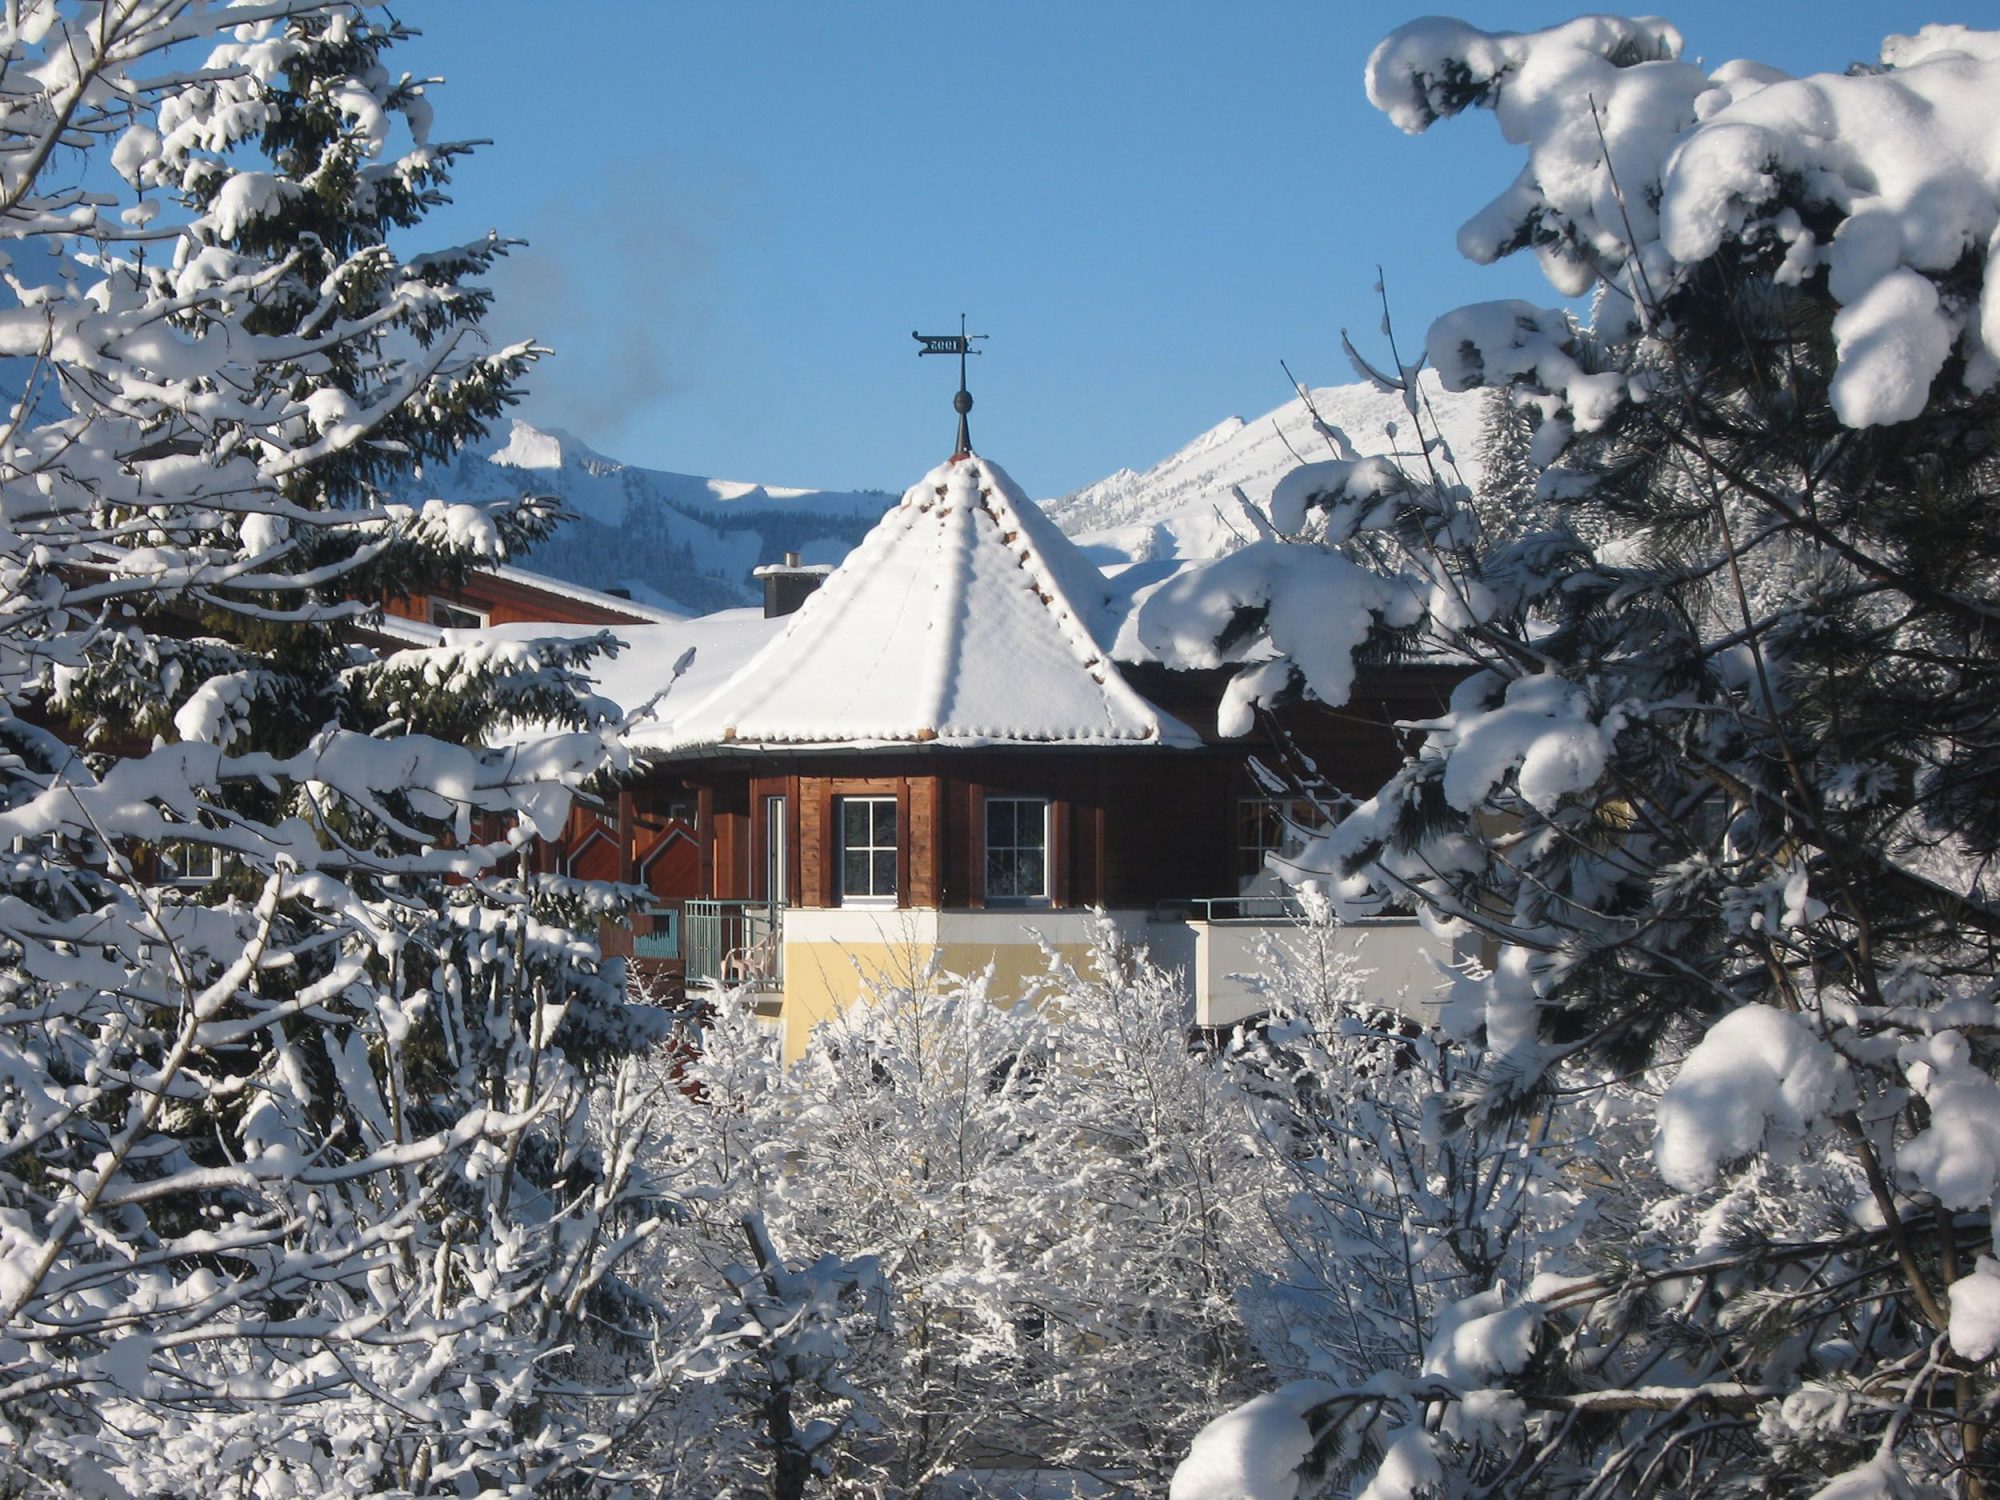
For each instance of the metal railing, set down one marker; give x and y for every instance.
(1267, 908)
(657, 934)
(734, 943)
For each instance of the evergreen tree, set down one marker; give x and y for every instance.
(1722, 785)
(1505, 493)
(294, 1182)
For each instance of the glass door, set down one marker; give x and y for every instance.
(777, 864)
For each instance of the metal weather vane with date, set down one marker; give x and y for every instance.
(959, 343)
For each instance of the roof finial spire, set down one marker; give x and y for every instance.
(959, 343)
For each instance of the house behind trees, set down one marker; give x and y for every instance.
(951, 748)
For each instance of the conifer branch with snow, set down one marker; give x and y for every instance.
(1719, 786)
(293, 1187)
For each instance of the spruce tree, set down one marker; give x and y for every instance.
(1720, 791)
(294, 1184)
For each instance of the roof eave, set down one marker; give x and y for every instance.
(1187, 739)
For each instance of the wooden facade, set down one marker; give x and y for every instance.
(1135, 828)
(1128, 826)
(515, 598)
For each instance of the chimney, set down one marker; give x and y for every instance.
(788, 584)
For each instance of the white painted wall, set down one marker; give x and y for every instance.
(997, 927)
(1408, 964)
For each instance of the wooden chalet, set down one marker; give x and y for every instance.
(938, 757)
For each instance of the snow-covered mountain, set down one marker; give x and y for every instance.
(1190, 504)
(675, 541)
(685, 543)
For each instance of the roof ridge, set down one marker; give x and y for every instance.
(948, 606)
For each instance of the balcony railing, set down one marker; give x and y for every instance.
(657, 934)
(1256, 908)
(734, 943)
(1260, 908)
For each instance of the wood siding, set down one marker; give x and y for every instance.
(511, 601)
(1129, 828)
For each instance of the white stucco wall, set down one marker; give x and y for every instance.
(1408, 965)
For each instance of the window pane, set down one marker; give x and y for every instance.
(868, 847)
(1031, 874)
(1031, 824)
(1017, 837)
(1274, 825)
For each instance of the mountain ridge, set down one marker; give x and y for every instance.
(688, 543)
(1192, 502)
(682, 542)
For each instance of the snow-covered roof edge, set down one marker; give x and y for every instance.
(1074, 599)
(562, 588)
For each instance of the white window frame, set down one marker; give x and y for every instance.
(441, 611)
(193, 864)
(1298, 820)
(871, 897)
(777, 852)
(1046, 895)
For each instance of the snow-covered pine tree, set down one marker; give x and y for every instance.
(294, 1191)
(1722, 785)
(1506, 490)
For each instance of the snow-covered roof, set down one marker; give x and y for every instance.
(643, 669)
(403, 631)
(562, 588)
(964, 618)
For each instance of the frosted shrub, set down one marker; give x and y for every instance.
(1060, 1199)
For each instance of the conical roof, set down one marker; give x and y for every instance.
(963, 618)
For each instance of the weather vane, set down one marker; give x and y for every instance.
(959, 343)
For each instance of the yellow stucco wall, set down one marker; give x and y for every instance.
(830, 963)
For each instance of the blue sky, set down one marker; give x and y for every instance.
(738, 212)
